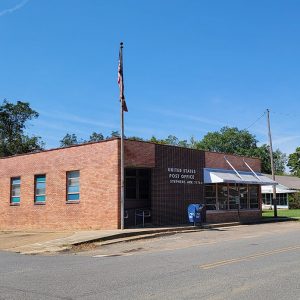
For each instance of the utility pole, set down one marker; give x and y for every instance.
(272, 164)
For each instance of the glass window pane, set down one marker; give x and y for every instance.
(210, 192)
(223, 196)
(137, 184)
(15, 199)
(130, 172)
(73, 196)
(40, 178)
(144, 188)
(73, 189)
(253, 194)
(41, 191)
(243, 197)
(233, 196)
(40, 185)
(16, 181)
(15, 190)
(73, 181)
(40, 188)
(40, 198)
(73, 174)
(73, 186)
(143, 172)
(130, 190)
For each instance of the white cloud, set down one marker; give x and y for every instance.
(199, 119)
(13, 9)
(77, 119)
(285, 139)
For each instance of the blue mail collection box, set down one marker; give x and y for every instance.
(194, 213)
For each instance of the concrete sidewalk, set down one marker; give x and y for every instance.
(62, 241)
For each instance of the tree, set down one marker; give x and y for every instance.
(228, 140)
(280, 161)
(157, 141)
(68, 140)
(113, 134)
(13, 118)
(170, 140)
(242, 142)
(294, 162)
(294, 201)
(96, 137)
(263, 153)
(135, 138)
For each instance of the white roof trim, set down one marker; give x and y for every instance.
(229, 176)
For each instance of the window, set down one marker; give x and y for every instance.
(283, 199)
(40, 189)
(223, 196)
(268, 199)
(15, 190)
(130, 188)
(73, 192)
(253, 196)
(137, 184)
(234, 197)
(211, 196)
(243, 196)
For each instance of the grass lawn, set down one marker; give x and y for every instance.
(291, 213)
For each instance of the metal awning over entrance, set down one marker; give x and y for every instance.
(234, 176)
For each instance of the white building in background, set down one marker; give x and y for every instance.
(286, 186)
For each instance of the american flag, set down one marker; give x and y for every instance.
(121, 79)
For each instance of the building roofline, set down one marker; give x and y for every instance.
(205, 151)
(118, 138)
(60, 148)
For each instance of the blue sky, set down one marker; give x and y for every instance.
(190, 66)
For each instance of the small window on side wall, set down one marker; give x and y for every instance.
(73, 186)
(40, 189)
(15, 190)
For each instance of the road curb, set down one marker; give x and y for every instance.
(132, 236)
(74, 244)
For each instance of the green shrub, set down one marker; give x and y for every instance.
(294, 201)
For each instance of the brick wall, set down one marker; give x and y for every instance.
(99, 165)
(170, 198)
(139, 154)
(99, 188)
(216, 160)
(233, 216)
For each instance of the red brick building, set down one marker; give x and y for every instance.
(79, 187)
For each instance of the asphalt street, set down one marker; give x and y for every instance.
(244, 262)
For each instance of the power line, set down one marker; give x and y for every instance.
(256, 121)
(286, 114)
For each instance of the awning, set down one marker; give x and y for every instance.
(230, 176)
(280, 189)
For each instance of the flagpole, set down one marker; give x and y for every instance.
(122, 147)
(122, 167)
